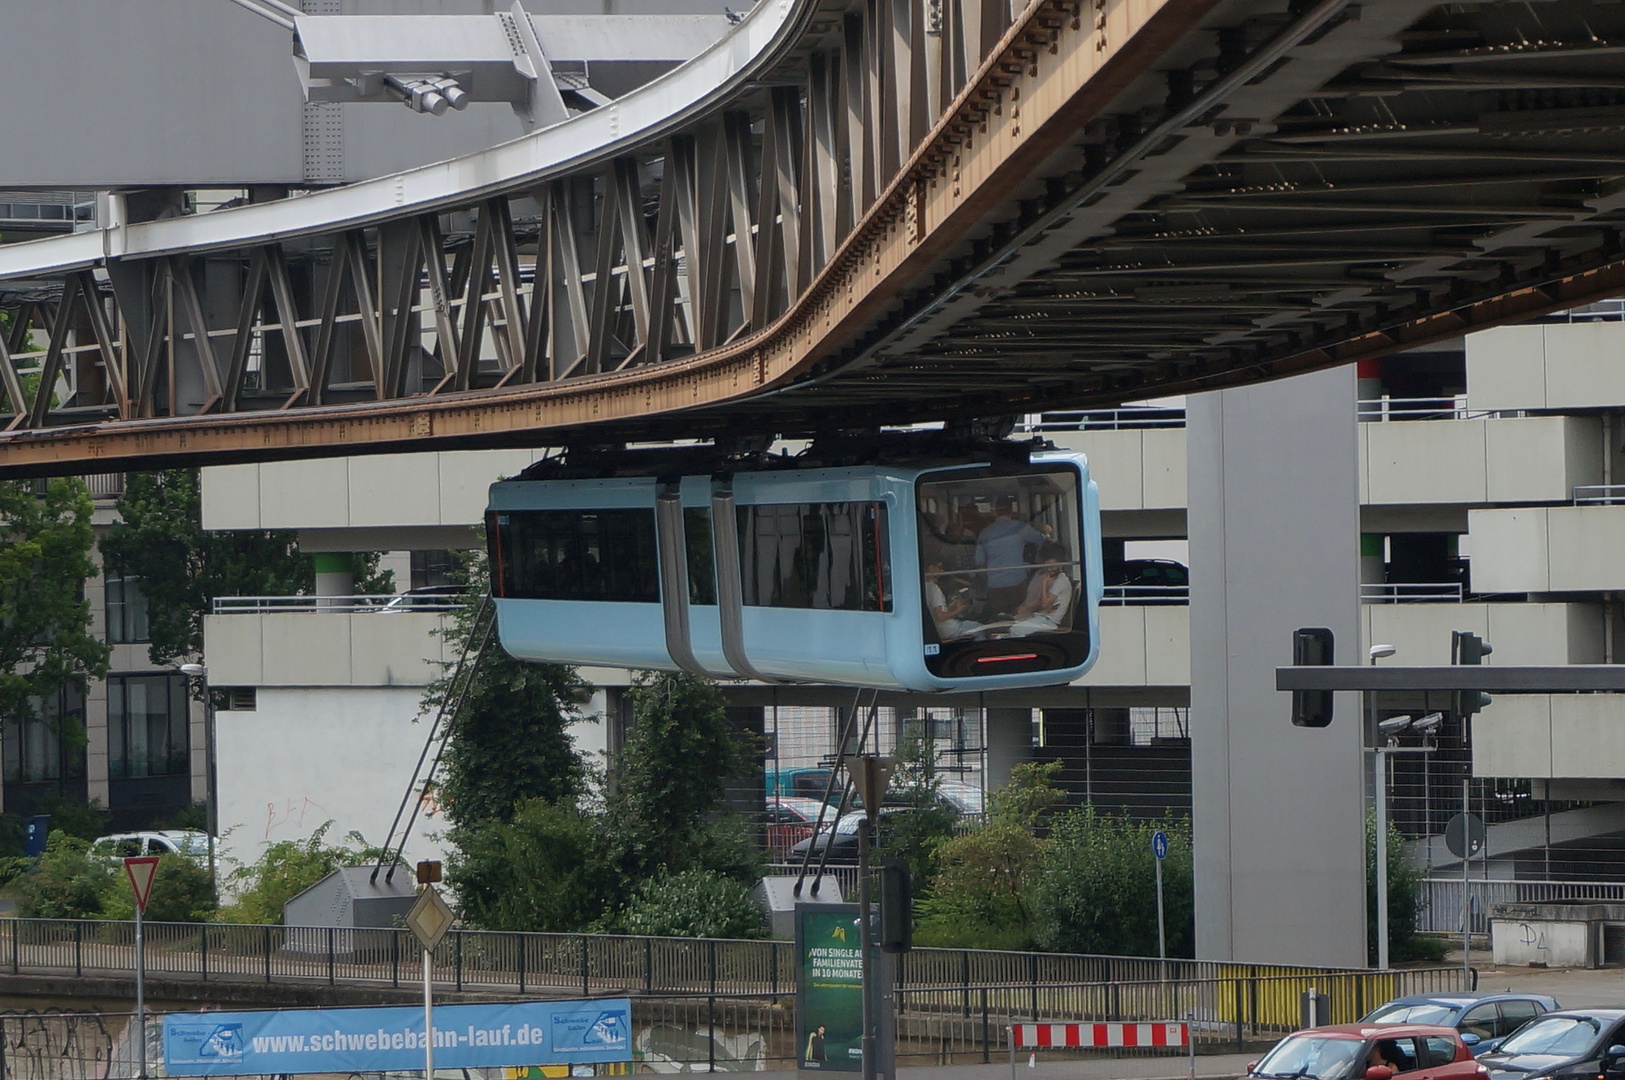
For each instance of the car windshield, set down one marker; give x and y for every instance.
(1554, 1035)
(1316, 1057)
(1430, 1012)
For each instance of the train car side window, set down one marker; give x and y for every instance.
(702, 566)
(824, 556)
(575, 555)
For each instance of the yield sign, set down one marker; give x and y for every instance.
(140, 870)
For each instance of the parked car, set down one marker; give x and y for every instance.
(1483, 1019)
(1566, 1045)
(843, 839)
(191, 842)
(1150, 580)
(790, 820)
(1369, 1052)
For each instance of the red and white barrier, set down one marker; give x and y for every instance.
(1099, 1036)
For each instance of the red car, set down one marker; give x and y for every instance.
(1370, 1052)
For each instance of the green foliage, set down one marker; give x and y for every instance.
(181, 892)
(45, 641)
(87, 821)
(920, 819)
(194, 816)
(68, 884)
(1404, 898)
(509, 742)
(673, 771)
(979, 898)
(693, 903)
(161, 539)
(544, 868)
(1094, 890)
(286, 869)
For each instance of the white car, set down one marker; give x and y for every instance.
(191, 842)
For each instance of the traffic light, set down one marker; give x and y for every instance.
(896, 907)
(1311, 647)
(1469, 648)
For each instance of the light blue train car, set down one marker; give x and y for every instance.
(974, 575)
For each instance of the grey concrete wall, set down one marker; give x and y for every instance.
(1274, 540)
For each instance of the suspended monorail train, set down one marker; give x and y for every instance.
(980, 573)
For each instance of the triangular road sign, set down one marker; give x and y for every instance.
(141, 869)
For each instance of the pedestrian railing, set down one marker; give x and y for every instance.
(1439, 907)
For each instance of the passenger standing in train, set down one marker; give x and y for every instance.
(1002, 550)
(1049, 595)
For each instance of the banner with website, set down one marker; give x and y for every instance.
(375, 1040)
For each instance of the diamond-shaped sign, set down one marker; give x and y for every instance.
(141, 869)
(430, 918)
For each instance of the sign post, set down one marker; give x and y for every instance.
(429, 920)
(141, 869)
(1159, 848)
(1465, 836)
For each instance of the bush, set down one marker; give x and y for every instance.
(68, 884)
(181, 892)
(1095, 890)
(544, 870)
(288, 868)
(693, 903)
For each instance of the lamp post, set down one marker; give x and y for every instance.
(1379, 797)
(211, 793)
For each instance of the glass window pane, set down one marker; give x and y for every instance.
(825, 556)
(576, 555)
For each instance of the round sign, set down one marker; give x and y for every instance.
(1159, 844)
(1465, 835)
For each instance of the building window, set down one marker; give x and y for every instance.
(146, 726)
(126, 608)
(36, 749)
(434, 569)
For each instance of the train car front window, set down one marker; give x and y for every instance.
(575, 555)
(1002, 573)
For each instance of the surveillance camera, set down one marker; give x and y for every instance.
(1428, 722)
(1380, 651)
(1394, 725)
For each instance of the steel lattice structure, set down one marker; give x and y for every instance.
(850, 212)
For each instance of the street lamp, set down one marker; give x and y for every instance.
(211, 794)
(1379, 797)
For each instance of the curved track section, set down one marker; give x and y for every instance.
(849, 212)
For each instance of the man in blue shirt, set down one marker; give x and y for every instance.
(1002, 549)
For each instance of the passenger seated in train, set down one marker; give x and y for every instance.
(948, 607)
(1048, 605)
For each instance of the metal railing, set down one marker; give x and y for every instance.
(381, 603)
(1124, 595)
(522, 963)
(1411, 592)
(1129, 417)
(1422, 408)
(1595, 494)
(1439, 907)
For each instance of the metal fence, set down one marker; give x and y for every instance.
(1439, 907)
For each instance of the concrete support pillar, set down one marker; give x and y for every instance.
(1009, 743)
(1274, 541)
(335, 573)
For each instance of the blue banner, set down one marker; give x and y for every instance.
(391, 1039)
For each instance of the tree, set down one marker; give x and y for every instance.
(980, 896)
(545, 868)
(509, 743)
(45, 641)
(672, 779)
(918, 819)
(67, 884)
(1404, 898)
(1094, 890)
(160, 538)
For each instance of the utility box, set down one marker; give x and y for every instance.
(346, 911)
(777, 898)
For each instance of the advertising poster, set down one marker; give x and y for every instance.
(293, 1041)
(829, 988)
